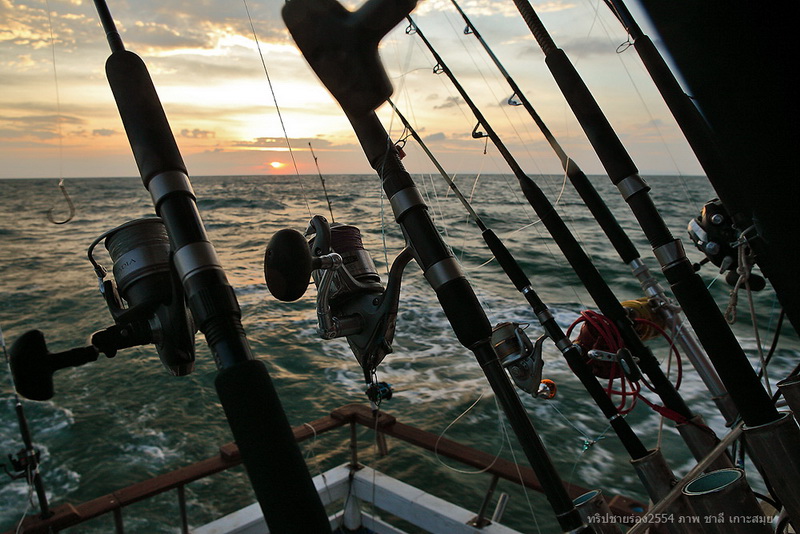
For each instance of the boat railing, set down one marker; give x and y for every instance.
(352, 415)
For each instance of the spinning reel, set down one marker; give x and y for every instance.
(351, 300)
(714, 234)
(146, 303)
(146, 280)
(522, 359)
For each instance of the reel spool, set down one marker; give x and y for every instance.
(522, 359)
(351, 299)
(145, 297)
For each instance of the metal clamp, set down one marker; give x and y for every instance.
(167, 183)
(670, 254)
(404, 200)
(442, 272)
(631, 185)
(195, 257)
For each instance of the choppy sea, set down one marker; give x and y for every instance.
(118, 421)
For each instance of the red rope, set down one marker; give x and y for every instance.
(599, 332)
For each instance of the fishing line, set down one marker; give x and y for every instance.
(312, 453)
(774, 345)
(29, 473)
(744, 273)
(322, 181)
(453, 422)
(519, 473)
(471, 55)
(61, 187)
(277, 108)
(682, 179)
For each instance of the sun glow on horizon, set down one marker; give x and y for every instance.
(277, 165)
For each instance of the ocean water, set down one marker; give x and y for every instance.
(117, 421)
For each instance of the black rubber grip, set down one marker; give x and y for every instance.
(723, 349)
(270, 454)
(149, 134)
(464, 312)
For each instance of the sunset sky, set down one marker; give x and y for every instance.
(58, 118)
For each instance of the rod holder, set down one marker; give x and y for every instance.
(701, 439)
(658, 480)
(773, 447)
(790, 388)
(594, 510)
(725, 505)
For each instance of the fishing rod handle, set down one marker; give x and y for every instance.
(734, 369)
(265, 439)
(209, 295)
(149, 134)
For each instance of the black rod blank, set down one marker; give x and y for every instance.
(697, 303)
(578, 259)
(522, 283)
(460, 305)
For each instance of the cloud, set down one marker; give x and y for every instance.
(588, 47)
(280, 142)
(103, 132)
(197, 133)
(450, 102)
(44, 127)
(439, 136)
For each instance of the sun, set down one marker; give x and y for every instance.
(277, 165)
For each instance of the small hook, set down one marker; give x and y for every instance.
(438, 68)
(411, 29)
(69, 204)
(467, 30)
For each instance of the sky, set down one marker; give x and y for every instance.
(58, 118)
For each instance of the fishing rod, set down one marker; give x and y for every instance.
(322, 181)
(26, 462)
(272, 459)
(650, 465)
(699, 438)
(460, 304)
(712, 45)
(735, 371)
(324, 31)
(619, 240)
(698, 133)
(688, 117)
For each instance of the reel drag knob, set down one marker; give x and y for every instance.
(287, 265)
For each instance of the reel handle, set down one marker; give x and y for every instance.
(287, 265)
(32, 365)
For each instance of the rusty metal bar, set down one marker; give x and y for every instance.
(68, 515)
(119, 528)
(182, 509)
